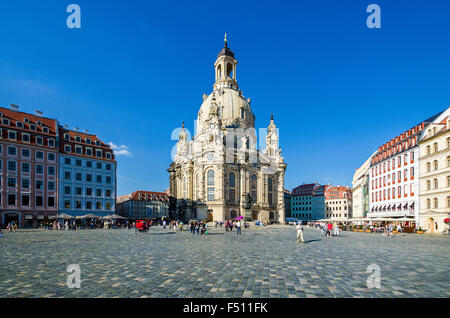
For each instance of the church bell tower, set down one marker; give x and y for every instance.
(225, 67)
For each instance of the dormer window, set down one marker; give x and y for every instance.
(78, 139)
(88, 151)
(108, 155)
(39, 123)
(67, 148)
(26, 120)
(98, 153)
(88, 141)
(78, 150)
(25, 137)
(45, 130)
(51, 143)
(66, 137)
(97, 143)
(33, 127)
(19, 124)
(5, 121)
(39, 140)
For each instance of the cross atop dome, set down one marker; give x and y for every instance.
(226, 51)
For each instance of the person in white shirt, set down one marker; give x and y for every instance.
(238, 227)
(299, 229)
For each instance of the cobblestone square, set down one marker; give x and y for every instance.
(262, 262)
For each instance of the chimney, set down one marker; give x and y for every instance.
(14, 107)
(86, 131)
(38, 113)
(75, 128)
(66, 126)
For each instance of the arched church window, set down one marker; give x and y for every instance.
(254, 187)
(210, 177)
(219, 71)
(232, 185)
(235, 142)
(230, 70)
(270, 190)
(242, 113)
(232, 179)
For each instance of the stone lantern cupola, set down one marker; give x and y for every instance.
(225, 67)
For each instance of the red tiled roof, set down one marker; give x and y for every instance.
(63, 142)
(15, 116)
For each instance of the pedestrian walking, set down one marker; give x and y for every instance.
(164, 224)
(238, 227)
(329, 229)
(299, 229)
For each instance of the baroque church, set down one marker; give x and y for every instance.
(221, 173)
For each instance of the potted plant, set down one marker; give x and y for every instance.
(420, 231)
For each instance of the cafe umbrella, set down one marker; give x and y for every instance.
(61, 216)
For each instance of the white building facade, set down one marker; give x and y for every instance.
(360, 191)
(434, 161)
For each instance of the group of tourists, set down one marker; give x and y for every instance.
(198, 227)
(329, 229)
(12, 226)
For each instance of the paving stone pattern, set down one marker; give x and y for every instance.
(260, 263)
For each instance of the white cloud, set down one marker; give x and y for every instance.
(121, 150)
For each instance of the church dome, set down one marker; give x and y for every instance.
(226, 103)
(229, 106)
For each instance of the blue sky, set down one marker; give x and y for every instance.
(137, 69)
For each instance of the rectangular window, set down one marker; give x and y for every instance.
(39, 201)
(51, 186)
(89, 164)
(78, 150)
(99, 165)
(39, 155)
(25, 138)
(77, 204)
(78, 163)
(210, 194)
(78, 176)
(108, 193)
(39, 169)
(108, 205)
(12, 135)
(12, 182)
(88, 205)
(12, 166)
(25, 167)
(11, 199)
(108, 179)
(89, 177)
(67, 190)
(51, 170)
(99, 178)
(108, 166)
(67, 175)
(99, 192)
(50, 201)
(51, 157)
(39, 184)
(67, 204)
(12, 151)
(88, 191)
(67, 161)
(25, 183)
(78, 190)
(25, 200)
(98, 205)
